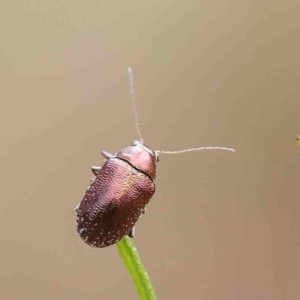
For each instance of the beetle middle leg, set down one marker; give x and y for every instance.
(96, 170)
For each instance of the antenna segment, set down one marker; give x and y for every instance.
(158, 152)
(195, 149)
(131, 89)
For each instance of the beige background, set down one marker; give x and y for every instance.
(207, 73)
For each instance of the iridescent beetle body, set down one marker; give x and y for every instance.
(117, 196)
(119, 193)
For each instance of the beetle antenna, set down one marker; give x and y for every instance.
(194, 149)
(131, 89)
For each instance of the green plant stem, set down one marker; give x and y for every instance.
(136, 269)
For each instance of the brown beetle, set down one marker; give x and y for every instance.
(119, 193)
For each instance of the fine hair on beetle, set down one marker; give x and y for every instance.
(121, 189)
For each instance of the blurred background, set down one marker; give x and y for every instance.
(206, 73)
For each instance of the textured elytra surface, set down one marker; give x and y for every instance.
(113, 203)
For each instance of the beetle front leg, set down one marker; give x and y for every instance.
(107, 155)
(132, 232)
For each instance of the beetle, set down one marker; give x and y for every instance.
(121, 190)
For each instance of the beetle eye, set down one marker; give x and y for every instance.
(135, 143)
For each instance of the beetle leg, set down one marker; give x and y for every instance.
(107, 155)
(132, 232)
(76, 208)
(96, 170)
(143, 210)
